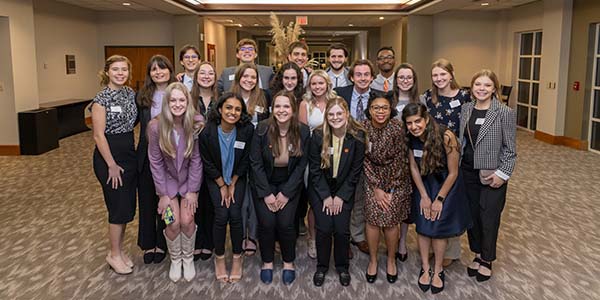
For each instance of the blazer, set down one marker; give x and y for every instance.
(262, 161)
(173, 176)
(346, 93)
(227, 76)
(495, 147)
(142, 148)
(267, 110)
(210, 151)
(321, 183)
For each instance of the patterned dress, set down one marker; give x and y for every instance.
(447, 110)
(386, 167)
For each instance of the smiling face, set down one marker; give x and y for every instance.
(380, 111)
(483, 88)
(248, 80)
(298, 56)
(190, 60)
(231, 111)
(405, 79)
(337, 59)
(246, 53)
(440, 77)
(318, 86)
(118, 74)
(385, 61)
(177, 103)
(290, 79)
(337, 117)
(206, 76)
(416, 125)
(282, 109)
(362, 77)
(159, 75)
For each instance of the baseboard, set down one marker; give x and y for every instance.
(88, 121)
(561, 140)
(10, 150)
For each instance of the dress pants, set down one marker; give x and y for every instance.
(204, 217)
(337, 226)
(357, 222)
(276, 226)
(225, 216)
(486, 204)
(150, 230)
(249, 222)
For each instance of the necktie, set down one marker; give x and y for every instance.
(385, 85)
(336, 83)
(360, 113)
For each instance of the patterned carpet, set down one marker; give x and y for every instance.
(53, 228)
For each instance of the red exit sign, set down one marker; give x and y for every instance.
(302, 20)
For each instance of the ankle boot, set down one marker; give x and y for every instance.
(187, 249)
(176, 257)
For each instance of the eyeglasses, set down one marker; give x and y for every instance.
(247, 48)
(189, 57)
(388, 57)
(403, 78)
(380, 108)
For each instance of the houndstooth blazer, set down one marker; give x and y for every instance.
(495, 148)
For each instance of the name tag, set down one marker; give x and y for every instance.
(115, 109)
(330, 150)
(400, 108)
(418, 153)
(231, 77)
(454, 103)
(259, 109)
(239, 145)
(370, 146)
(479, 121)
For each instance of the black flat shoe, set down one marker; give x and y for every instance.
(424, 287)
(159, 257)
(481, 277)
(473, 272)
(435, 289)
(148, 257)
(401, 257)
(392, 278)
(370, 278)
(345, 278)
(205, 256)
(319, 278)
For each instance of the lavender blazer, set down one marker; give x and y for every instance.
(173, 175)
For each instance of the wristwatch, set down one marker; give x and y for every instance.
(440, 198)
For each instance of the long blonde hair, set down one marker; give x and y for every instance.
(447, 66)
(352, 127)
(165, 121)
(310, 98)
(257, 97)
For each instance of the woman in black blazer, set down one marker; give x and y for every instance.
(225, 148)
(336, 154)
(278, 163)
(487, 132)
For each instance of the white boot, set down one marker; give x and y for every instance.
(176, 257)
(187, 248)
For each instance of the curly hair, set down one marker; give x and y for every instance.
(277, 81)
(214, 116)
(375, 94)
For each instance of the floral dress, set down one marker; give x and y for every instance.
(447, 109)
(386, 167)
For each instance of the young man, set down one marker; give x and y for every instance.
(246, 52)
(189, 57)
(386, 60)
(337, 55)
(298, 54)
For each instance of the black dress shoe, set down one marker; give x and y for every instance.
(319, 278)
(370, 278)
(345, 278)
(436, 289)
(473, 272)
(481, 277)
(205, 256)
(148, 257)
(401, 257)
(424, 287)
(392, 278)
(159, 257)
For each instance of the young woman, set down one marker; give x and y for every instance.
(287, 78)
(177, 172)
(278, 163)
(204, 94)
(444, 101)
(225, 167)
(159, 74)
(114, 115)
(337, 150)
(440, 209)
(487, 133)
(189, 56)
(312, 111)
(387, 181)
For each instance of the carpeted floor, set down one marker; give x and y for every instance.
(53, 239)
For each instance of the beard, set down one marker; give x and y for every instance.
(333, 67)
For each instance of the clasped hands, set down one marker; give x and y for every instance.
(276, 203)
(332, 206)
(430, 210)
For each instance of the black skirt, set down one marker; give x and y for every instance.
(120, 202)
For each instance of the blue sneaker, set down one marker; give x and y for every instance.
(266, 276)
(288, 276)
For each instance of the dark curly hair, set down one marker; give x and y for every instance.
(277, 81)
(389, 96)
(214, 115)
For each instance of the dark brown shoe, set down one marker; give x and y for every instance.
(362, 246)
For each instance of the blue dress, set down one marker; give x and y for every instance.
(456, 217)
(447, 109)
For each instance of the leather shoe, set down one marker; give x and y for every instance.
(480, 277)
(436, 289)
(370, 278)
(319, 278)
(345, 278)
(473, 272)
(288, 276)
(424, 287)
(392, 278)
(362, 246)
(266, 276)
(401, 257)
(159, 257)
(148, 257)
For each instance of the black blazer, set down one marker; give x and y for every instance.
(321, 183)
(346, 93)
(142, 149)
(210, 151)
(262, 160)
(266, 112)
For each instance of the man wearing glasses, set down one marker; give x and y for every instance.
(246, 53)
(386, 61)
(189, 57)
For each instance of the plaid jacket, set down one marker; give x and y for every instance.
(495, 148)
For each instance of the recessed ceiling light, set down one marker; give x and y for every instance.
(485, 4)
(255, 24)
(195, 2)
(229, 21)
(350, 24)
(238, 25)
(381, 18)
(126, 3)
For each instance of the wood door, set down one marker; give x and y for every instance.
(139, 57)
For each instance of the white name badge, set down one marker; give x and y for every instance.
(479, 121)
(370, 146)
(115, 109)
(454, 103)
(418, 153)
(331, 150)
(239, 145)
(259, 109)
(400, 108)
(231, 77)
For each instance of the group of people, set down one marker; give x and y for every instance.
(259, 152)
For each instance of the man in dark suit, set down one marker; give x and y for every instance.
(298, 54)
(246, 53)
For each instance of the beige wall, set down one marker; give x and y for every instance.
(391, 35)
(419, 48)
(215, 34)
(186, 32)
(9, 133)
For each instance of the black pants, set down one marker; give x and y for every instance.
(337, 226)
(224, 216)
(151, 225)
(204, 217)
(301, 209)
(486, 204)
